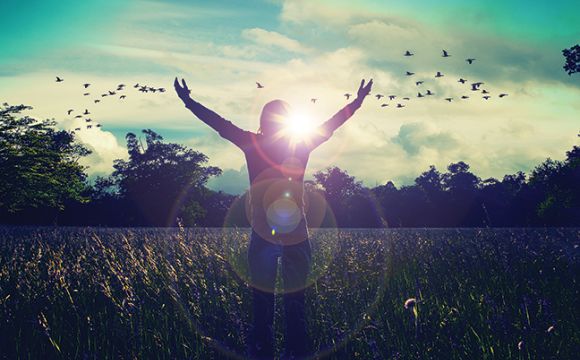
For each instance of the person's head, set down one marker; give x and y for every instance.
(275, 117)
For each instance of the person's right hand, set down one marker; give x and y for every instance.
(364, 90)
(182, 91)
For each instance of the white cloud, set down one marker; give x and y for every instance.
(272, 38)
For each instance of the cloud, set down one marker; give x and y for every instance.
(272, 38)
(231, 181)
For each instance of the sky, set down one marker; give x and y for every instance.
(300, 50)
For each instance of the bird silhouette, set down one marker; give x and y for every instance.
(462, 81)
(347, 96)
(445, 54)
(449, 99)
(313, 100)
(418, 83)
(122, 96)
(379, 96)
(429, 93)
(161, 89)
(478, 84)
(400, 106)
(86, 85)
(77, 129)
(86, 112)
(470, 60)
(484, 91)
(384, 105)
(153, 90)
(408, 53)
(78, 116)
(465, 97)
(96, 101)
(143, 89)
(502, 95)
(98, 125)
(88, 120)
(112, 93)
(260, 86)
(69, 111)
(406, 98)
(120, 86)
(89, 126)
(439, 74)
(420, 95)
(410, 73)
(59, 79)
(391, 97)
(103, 95)
(136, 85)
(486, 97)
(474, 87)
(85, 94)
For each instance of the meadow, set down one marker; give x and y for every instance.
(99, 293)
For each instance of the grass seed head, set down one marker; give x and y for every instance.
(410, 303)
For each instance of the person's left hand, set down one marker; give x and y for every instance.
(182, 91)
(363, 90)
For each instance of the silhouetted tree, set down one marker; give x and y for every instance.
(160, 182)
(338, 186)
(39, 170)
(572, 56)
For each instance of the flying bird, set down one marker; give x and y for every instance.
(96, 101)
(391, 97)
(445, 54)
(86, 85)
(465, 97)
(502, 95)
(120, 86)
(484, 91)
(470, 60)
(152, 89)
(408, 53)
(418, 83)
(410, 73)
(136, 85)
(103, 95)
(449, 99)
(78, 116)
(122, 96)
(462, 81)
(260, 86)
(384, 105)
(71, 110)
(77, 129)
(98, 125)
(478, 84)
(400, 106)
(89, 126)
(112, 93)
(429, 93)
(86, 112)
(313, 100)
(406, 98)
(161, 89)
(347, 96)
(379, 96)
(88, 120)
(439, 74)
(143, 89)
(474, 87)
(85, 94)
(486, 97)
(420, 95)
(59, 79)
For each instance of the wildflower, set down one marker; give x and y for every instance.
(410, 303)
(520, 345)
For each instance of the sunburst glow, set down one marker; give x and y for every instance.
(300, 124)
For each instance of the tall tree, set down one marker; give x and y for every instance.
(38, 164)
(164, 181)
(338, 186)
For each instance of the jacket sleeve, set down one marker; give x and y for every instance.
(225, 128)
(323, 132)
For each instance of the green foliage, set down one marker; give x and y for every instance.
(38, 165)
(161, 179)
(572, 56)
(73, 293)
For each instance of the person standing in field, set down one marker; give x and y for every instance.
(276, 162)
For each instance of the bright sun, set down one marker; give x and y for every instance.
(300, 125)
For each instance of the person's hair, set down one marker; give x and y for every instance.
(274, 117)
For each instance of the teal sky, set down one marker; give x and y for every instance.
(302, 49)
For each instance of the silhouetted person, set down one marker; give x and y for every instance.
(276, 162)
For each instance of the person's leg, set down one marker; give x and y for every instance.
(263, 261)
(295, 266)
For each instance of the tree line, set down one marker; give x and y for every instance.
(164, 184)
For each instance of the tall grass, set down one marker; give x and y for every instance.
(92, 293)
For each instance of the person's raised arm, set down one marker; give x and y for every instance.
(209, 117)
(325, 131)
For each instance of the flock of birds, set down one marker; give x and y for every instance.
(421, 94)
(110, 93)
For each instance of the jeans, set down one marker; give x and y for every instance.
(295, 263)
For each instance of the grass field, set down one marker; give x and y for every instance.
(93, 293)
